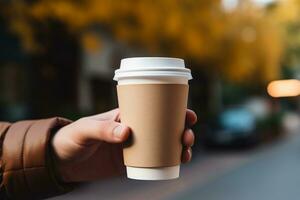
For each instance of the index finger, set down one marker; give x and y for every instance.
(109, 115)
(191, 117)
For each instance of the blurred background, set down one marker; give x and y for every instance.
(57, 58)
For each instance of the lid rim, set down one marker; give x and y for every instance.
(119, 77)
(153, 69)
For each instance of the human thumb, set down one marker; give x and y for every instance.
(108, 131)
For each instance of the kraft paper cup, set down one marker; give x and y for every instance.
(153, 72)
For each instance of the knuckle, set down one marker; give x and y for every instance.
(106, 126)
(83, 119)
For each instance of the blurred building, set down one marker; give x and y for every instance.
(101, 55)
(13, 81)
(38, 85)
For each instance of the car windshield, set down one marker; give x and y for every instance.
(237, 119)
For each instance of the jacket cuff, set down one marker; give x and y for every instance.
(28, 169)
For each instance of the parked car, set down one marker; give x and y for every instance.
(245, 124)
(236, 125)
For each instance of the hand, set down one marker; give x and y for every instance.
(91, 147)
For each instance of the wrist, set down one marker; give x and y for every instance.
(58, 168)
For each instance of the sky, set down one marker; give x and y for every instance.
(231, 4)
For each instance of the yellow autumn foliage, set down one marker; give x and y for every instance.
(242, 44)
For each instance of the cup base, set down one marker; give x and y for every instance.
(161, 173)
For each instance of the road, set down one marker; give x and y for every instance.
(268, 172)
(272, 174)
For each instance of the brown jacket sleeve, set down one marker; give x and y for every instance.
(26, 167)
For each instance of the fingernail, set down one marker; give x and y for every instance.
(191, 154)
(118, 131)
(192, 134)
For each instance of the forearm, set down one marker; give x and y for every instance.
(27, 169)
(3, 129)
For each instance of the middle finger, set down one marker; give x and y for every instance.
(188, 138)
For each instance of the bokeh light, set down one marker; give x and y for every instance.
(284, 88)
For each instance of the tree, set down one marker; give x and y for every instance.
(286, 13)
(239, 46)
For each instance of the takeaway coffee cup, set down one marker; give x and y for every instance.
(152, 96)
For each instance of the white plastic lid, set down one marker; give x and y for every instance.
(161, 173)
(141, 67)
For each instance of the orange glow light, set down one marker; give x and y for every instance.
(284, 88)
